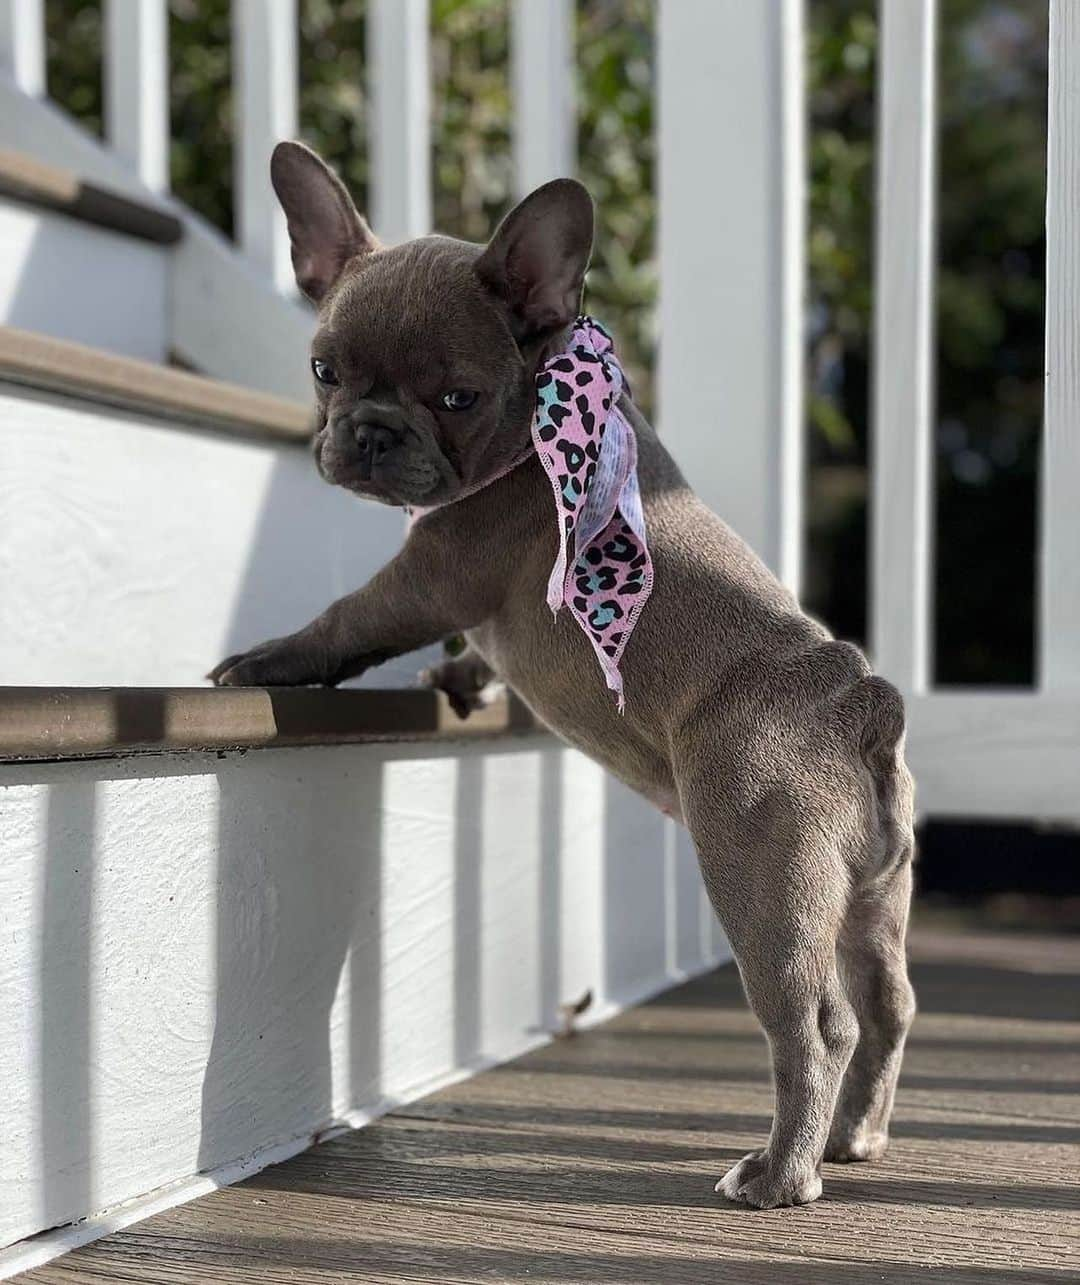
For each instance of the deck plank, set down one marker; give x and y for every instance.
(594, 1159)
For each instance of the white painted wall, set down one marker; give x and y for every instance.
(138, 553)
(205, 958)
(66, 278)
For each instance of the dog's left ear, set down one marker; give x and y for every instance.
(535, 263)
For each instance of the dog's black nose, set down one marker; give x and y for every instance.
(373, 443)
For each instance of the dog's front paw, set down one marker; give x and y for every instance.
(753, 1182)
(281, 662)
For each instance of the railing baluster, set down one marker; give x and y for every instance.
(904, 344)
(542, 57)
(732, 252)
(1059, 625)
(399, 77)
(22, 43)
(136, 73)
(264, 37)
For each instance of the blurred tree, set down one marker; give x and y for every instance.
(992, 94)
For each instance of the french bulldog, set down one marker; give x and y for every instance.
(772, 742)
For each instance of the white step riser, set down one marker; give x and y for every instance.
(206, 958)
(63, 277)
(138, 553)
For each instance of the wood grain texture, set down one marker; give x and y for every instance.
(1059, 631)
(55, 364)
(49, 723)
(903, 344)
(594, 1160)
(29, 179)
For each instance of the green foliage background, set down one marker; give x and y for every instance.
(993, 88)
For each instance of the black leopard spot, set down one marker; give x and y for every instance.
(546, 432)
(582, 378)
(602, 616)
(573, 456)
(620, 549)
(593, 556)
(580, 604)
(564, 364)
(588, 422)
(563, 391)
(570, 490)
(611, 651)
(558, 414)
(600, 581)
(543, 380)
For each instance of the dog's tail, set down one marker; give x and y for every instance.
(881, 747)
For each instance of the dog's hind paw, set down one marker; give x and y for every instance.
(466, 680)
(751, 1182)
(846, 1149)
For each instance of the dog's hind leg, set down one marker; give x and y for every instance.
(873, 967)
(781, 906)
(870, 946)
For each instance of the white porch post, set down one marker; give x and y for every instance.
(22, 43)
(136, 54)
(903, 344)
(265, 74)
(1059, 617)
(542, 57)
(401, 116)
(732, 197)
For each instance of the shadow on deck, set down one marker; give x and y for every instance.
(594, 1159)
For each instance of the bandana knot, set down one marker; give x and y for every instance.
(589, 452)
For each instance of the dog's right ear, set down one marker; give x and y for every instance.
(325, 229)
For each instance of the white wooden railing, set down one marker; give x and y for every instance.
(731, 248)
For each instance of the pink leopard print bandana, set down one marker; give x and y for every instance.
(589, 452)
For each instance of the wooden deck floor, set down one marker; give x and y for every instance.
(594, 1159)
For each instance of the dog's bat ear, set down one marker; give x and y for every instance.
(535, 263)
(325, 228)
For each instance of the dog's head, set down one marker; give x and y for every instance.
(425, 354)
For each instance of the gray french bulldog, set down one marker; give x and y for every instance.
(768, 739)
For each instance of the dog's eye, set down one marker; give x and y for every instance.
(459, 399)
(324, 372)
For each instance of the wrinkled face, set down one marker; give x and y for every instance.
(421, 389)
(425, 354)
